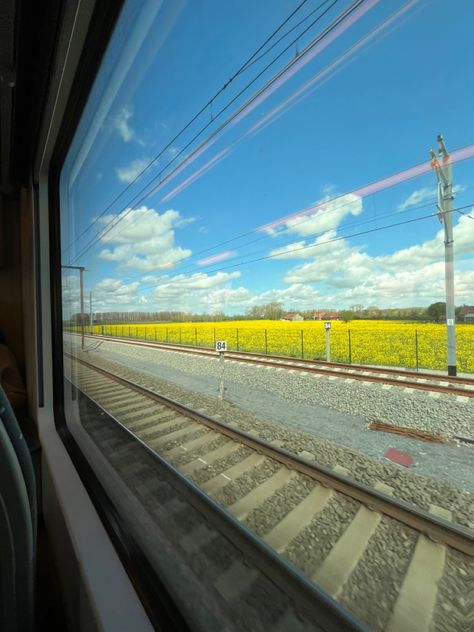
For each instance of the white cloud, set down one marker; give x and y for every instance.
(295, 250)
(112, 294)
(409, 276)
(121, 126)
(299, 295)
(70, 294)
(150, 279)
(327, 215)
(433, 249)
(327, 243)
(128, 173)
(214, 293)
(418, 197)
(200, 292)
(143, 239)
(199, 281)
(172, 152)
(424, 194)
(335, 262)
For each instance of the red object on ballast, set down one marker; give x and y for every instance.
(400, 458)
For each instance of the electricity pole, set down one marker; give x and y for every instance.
(81, 282)
(443, 171)
(90, 310)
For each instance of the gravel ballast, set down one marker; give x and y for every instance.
(443, 414)
(331, 437)
(373, 586)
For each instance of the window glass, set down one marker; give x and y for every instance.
(267, 217)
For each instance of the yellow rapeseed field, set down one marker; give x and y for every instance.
(389, 343)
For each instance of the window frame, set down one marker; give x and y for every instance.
(99, 20)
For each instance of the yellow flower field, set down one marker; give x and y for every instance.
(390, 343)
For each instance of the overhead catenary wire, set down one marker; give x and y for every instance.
(140, 197)
(465, 214)
(282, 37)
(311, 246)
(209, 104)
(302, 220)
(316, 234)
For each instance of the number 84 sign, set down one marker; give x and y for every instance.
(221, 345)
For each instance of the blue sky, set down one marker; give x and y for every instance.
(363, 105)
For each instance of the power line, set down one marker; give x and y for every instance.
(316, 234)
(137, 199)
(257, 59)
(312, 246)
(465, 214)
(323, 214)
(209, 103)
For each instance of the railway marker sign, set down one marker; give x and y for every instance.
(221, 346)
(327, 326)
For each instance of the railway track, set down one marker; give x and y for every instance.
(288, 501)
(387, 377)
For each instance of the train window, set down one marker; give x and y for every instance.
(267, 234)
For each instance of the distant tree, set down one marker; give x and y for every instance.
(254, 312)
(458, 309)
(268, 311)
(436, 311)
(273, 311)
(346, 315)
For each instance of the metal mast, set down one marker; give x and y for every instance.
(443, 170)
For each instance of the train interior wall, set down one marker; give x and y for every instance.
(11, 312)
(16, 317)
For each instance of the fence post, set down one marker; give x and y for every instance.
(214, 336)
(302, 345)
(237, 339)
(167, 340)
(136, 332)
(196, 336)
(180, 337)
(266, 343)
(129, 331)
(416, 348)
(155, 334)
(350, 346)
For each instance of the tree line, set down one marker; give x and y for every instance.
(436, 312)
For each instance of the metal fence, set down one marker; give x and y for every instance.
(412, 349)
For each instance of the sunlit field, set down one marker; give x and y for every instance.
(389, 343)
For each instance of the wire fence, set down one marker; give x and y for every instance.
(411, 349)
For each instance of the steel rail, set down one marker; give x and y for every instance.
(308, 598)
(357, 367)
(283, 362)
(438, 529)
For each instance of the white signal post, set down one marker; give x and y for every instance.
(443, 172)
(327, 327)
(221, 348)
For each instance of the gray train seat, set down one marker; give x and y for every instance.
(18, 520)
